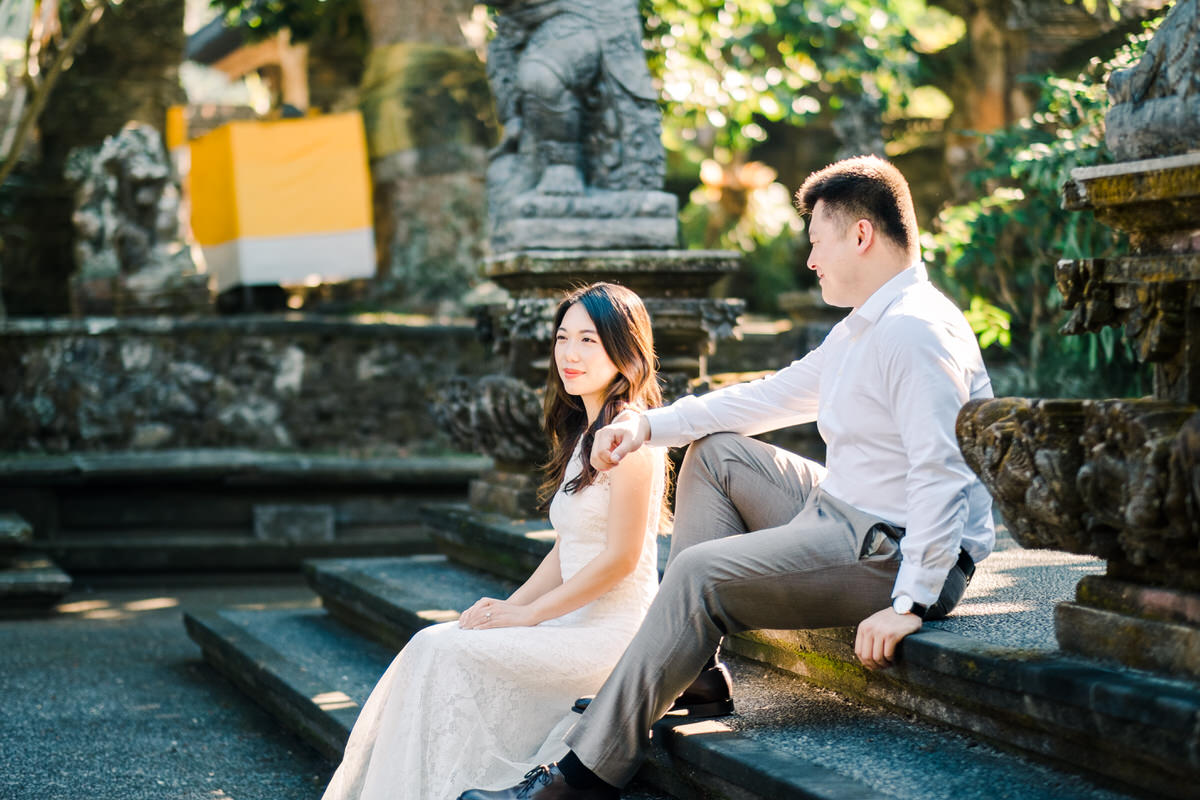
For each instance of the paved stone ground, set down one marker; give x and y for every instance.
(110, 700)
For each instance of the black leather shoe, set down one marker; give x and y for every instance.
(543, 783)
(710, 695)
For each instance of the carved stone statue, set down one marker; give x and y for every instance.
(1156, 104)
(581, 162)
(128, 236)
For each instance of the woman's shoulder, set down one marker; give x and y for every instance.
(637, 466)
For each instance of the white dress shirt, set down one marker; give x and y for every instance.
(885, 388)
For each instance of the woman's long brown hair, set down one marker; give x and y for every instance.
(624, 329)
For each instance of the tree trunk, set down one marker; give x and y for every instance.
(429, 119)
(126, 70)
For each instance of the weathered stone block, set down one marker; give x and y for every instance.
(294, 523)
(15, 536)
(1169, 647)
(31, 585)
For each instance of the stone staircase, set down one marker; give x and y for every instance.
(226, 509)
(982, 704)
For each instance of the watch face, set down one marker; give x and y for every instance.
(902, 604)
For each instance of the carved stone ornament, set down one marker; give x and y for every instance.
(1119, 479)
(127, 226)
(581, 161)
(1156, 104)
(1099, 293)
(495, 415)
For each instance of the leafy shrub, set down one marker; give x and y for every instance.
(996, 254)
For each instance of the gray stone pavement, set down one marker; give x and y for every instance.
(1011, 599)
(110, 700)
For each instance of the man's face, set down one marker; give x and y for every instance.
(835, 258)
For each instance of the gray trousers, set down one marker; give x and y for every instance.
(756, 544)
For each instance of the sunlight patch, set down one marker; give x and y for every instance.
(82, 606)
(151, 604)
(334, 701)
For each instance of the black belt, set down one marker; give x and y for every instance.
(966, 564)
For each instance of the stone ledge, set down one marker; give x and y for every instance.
(15, 535)
(238, 467)
(490, 542)
(1137, 728)
(219, 551)
(31, 584)
(371, 325)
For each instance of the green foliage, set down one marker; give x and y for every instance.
(733, 72)
(997, 253)
(306, 19)
(729, 69)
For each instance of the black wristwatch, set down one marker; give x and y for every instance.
(903, 604)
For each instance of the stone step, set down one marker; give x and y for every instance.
(495, 543)
(31, 584)
(15, 536)
(226, 509)
(788, 739)
(304, 667)
(390, 599)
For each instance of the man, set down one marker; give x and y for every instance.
(886, 536)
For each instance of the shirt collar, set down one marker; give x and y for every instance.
(869, 312)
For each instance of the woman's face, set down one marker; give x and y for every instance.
(582, 363)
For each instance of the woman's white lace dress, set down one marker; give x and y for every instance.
(461, 709)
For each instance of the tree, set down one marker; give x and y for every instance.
(42, 68)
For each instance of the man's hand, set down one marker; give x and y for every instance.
(619, 438)
(878, 635)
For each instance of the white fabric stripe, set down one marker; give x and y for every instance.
(292, 259)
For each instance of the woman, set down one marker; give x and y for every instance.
(478, 702)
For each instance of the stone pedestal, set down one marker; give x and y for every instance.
(511, 490)
(812, 315)
(601, 220)
(1145, 627)
(674, 285)
(1118, 479)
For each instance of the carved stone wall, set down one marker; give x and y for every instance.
(263, 382)
(1119, 479)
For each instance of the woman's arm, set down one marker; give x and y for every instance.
(547, 575)
(629, 508)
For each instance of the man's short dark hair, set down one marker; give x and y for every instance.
(864, 187)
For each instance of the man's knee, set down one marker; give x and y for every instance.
(693, 570)
(709, 452)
